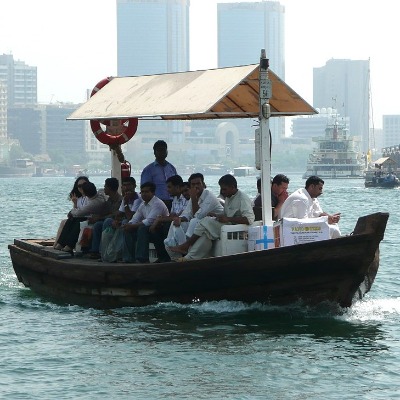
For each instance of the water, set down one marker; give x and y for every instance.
(221, 350)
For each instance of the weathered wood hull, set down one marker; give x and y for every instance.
(332, 270)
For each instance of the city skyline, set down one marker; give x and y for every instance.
(73, 44)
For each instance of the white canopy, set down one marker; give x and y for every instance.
(231, 92)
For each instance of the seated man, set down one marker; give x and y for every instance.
(179, 203)
(279, 194)
(138, 232)
(113, 202)
(303, 203)
(201, 202)
(237, 210)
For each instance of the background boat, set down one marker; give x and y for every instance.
(336, 155)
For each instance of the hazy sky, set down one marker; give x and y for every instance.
(73, 43)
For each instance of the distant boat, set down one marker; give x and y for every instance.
(336, 156)
(21, 167)
(381, 174)
(244, 171)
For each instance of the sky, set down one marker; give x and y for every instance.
(73, 43)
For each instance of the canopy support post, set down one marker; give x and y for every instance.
(265, 114)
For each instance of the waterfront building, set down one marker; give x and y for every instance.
(344, 84)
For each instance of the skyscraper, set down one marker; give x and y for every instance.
(20, 80)
(243, 30)
(344, 85)
(153, 36)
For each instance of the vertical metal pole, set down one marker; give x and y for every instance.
(265, 113)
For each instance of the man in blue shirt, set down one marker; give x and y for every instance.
(159, 171)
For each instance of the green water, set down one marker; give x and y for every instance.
(220, 350)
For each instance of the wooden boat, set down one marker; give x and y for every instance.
(381, 174)
(334, 270)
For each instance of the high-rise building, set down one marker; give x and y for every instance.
(3, 110)
(344, 85)
(243, 30)
(20, 80)
(152, 36)
(391, 130)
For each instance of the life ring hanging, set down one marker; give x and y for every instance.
(126, 128)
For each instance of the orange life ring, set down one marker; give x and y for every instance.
(125, 128)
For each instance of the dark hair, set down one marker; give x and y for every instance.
(279, 179)
(112, 183)
(228, 180)
(186, 183)
(89, 189)
(176, 180)
(130, 179)
(195, 176)
(149, 185)
(258, 183)
(159, 144)
(313, 180)
(75, 190)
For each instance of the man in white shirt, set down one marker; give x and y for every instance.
(237, 210)
(303, 203)
(201, 203)
(138, 232)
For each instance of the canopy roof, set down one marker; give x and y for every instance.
(231, 92)
(384, 161)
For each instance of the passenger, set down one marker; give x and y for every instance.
(164, 223)
(279, 194)
(159, 171)
(128, 207)
(303, 203)
(78, 199)
(113, 203)
(138, 232)
(186, 190)
(201, 203)
(237, 210)
(96, 204)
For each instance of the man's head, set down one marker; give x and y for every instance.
(185, 190)
(228, 185)
(128, 186)
(259, 185)
(147, 191)
(111, 186)
(160, 150)
(279, 184)
(314, 186)
(196, 182)
(174, 185)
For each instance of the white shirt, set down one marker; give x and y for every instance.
(132, 206)
(208, 202)
(179, 203)
(300, 205)
(148, 212)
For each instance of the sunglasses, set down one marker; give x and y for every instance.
(80, 185)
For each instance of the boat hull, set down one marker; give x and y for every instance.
(332, 270)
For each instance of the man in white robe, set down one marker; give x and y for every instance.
(237, 210)
(201, 203)
(303, 203)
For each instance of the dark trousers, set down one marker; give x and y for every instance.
(136, 245)
(70, 233)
